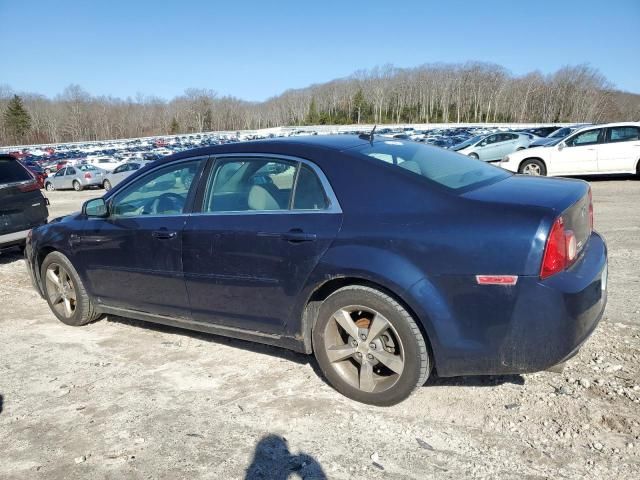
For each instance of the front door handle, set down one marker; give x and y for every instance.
(164, 234)
(296, 236)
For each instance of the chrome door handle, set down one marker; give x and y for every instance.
(164, 234)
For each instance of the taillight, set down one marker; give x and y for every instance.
(87, 175)
(29, 187)
(590, 209)
(561, 250)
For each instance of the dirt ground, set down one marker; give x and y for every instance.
(124, 399)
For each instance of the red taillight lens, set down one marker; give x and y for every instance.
(29, 187)
(87, 175)
(591, 208)
(555, 253)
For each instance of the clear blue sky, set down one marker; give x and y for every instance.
(254, 50)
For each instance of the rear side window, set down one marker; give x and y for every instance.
(263, 184)
(624, 134)
(309, 193)
(11, 171)
(444, 167)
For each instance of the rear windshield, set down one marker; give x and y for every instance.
(445, 167)
(11, 171)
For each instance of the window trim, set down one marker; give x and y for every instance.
(333, 207)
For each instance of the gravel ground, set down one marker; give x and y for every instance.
(125, 399)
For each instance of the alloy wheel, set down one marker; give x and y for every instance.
(531, 169)
(61, 290)
(364, 349)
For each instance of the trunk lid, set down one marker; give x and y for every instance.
(564, 197)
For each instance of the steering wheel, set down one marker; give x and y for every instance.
(166, 202)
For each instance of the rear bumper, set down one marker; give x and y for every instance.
(15, 238)
(529, 327)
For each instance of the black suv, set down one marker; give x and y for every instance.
(22, 205)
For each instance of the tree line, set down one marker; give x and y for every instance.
(471, 92)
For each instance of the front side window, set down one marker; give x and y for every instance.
(120, 169)
(60, 173)
(590, 137)
(161, 192)
(443, 167)
(624, 134)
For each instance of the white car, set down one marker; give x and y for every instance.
(105, 163)
(593, 150)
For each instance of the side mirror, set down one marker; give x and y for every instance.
(96, 208)
(561, 145)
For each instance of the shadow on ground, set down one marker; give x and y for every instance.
(272, 460)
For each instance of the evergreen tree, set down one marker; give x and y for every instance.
(17, 120)
(174, 127)
(313, 117)
(359, 105)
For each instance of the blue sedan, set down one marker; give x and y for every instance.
(385, 258)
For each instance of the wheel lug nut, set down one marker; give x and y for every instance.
(359, 355)
(354, 343)
(372, 346)
(363, 336)
(369, 356)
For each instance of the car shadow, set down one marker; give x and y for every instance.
(1, 402)
(299, 358)
(604, 177)
(474, 381)
(272, 460)
(10, 255)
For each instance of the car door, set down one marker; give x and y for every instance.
(133, 258)
(577, 155)
(620, 151)
(250, 250)
(506, 145)
(58, 178)
(67, 179)
(490, 146)
(119, 174)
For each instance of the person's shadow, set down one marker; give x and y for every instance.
(272, 460)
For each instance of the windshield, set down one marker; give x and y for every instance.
(86, 167)
(560, 133)
(444, 167)
(466, 143)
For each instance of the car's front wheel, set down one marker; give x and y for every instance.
(532, 166)
(65, 292)
(49, 187)
(369, 347)
(76, 186)
(474, 155)
(107, 185)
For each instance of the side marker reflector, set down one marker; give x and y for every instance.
(497, 279)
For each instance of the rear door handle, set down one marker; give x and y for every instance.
(296, 236)
(164, 234)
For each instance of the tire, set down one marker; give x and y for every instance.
(638, 169)
(107, 185)
(81, 309)
(49, 187)
(76, 186)
(474, 155)
(401, 344)
(47, 171)
(533, 166)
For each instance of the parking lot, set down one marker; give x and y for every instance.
(124, 399)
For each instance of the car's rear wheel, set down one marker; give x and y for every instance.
(369, 347)
(474, 155)
(107, 185)
(76, 186)
(533, 167)
(65, 292)
(49, 187)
